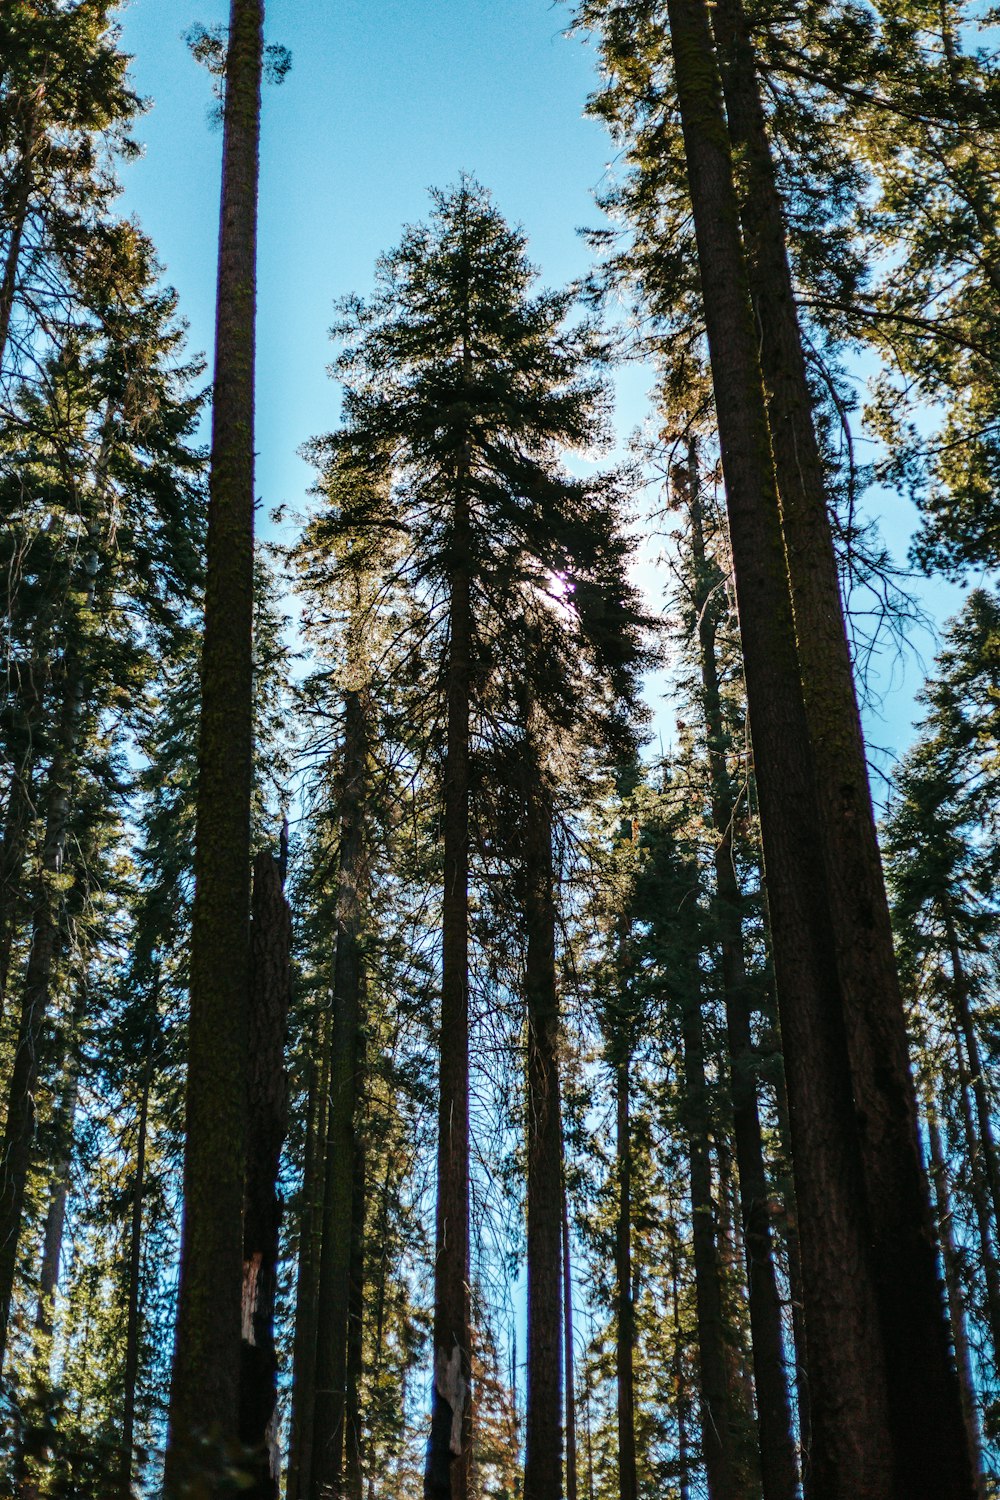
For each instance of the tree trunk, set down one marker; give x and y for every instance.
(927, 1437)
(299, 1477)
(679, 1384)
(980, 1200)
(446, 1476)
(718, 1423)
(341, 1141)
(267, 1118)
(852, 1451)
(354, 1424)
(572, 1483)
(543, 1473)
(628, 1482)
(18, 218)
(956, 1301)
(204, 1398)
(774, 1418)
(134, 1313)
(963, 1018)
(19, 1131)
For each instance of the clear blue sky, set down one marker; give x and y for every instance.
(386, 98)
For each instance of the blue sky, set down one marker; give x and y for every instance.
(385, 99)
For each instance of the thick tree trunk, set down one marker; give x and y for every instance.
(927, 1436)
(956, 1300)
(569, 1362)
(845, 1290)
(774, 1419)
(718, 1422)
(267, 1110)
(333, 1309)
(543, 1472)
(19, 1131)
(628, 1482)
(204, 1398)
(446, 1476)
(133, 1319)
(299, 1477)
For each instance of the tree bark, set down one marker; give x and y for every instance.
(628, 1482)
(299, 1478)
(204, 1398)
(354, 1423)
(333, 1308)
(963, 1019)
(718, 1424)
(979, 1193)
(446, 1476)
(543, 1471)
(927, 1437)
(956, 1301)
(774, 1419)
(267, 1111)
(134, 1314)
(19, 1130)
(852, 1448)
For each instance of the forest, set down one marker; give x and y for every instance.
(421, 1075)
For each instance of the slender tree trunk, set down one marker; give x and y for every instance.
(956, 1301)
(774, 1418)
(267, 1112)
(16, 836)
(45, 940)
(628, 1482)
(543, 1473)
(852, 1448)
(927, 1436)
(134, 1312)
(572, 1484)
(204, 1398)
(354, 1425)
(341, 1141)
(964, 1022)
(718, 1425)
(680, 1392)
(446, 1476)
(17, 220)
(307, 1288)
(980, 1200)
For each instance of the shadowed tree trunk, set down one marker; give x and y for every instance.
(333, 1310)
(956, 1301)
(354, 1422)
(267, 1108)
(572, 1483)
(844, 1286)
(628, 1483)
(133, 1314)
(964, 1022)
(15, 1153)
(979, 1193)
(446, 1476)
(307, 1287)
(17, 218)
(774, 1419)
(718, 1420)
(204, 1397)
(926, 1435)
(543, 1471)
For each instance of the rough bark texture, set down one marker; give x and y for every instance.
(628, 1482)
(333, 1310)
(850, 1455)
(19, 1131)
(446, 1476)
(133, 1313)
(267, 1109)
(543, 1470)
(204, 1394)
(307, 1287)
(774, 1420)
(927, 1437)
(956, 1300)
(718, 1420)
